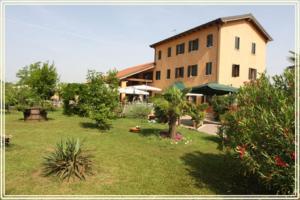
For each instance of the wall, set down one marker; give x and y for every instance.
(199, 57)
(229, 55)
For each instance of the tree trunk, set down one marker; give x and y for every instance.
(172, 127)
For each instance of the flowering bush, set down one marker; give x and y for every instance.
(260, 131)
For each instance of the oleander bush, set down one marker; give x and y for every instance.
(68, 160)
(260, 131)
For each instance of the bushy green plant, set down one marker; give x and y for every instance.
(197, 112)
(221, 104)
(137, 110)
(68, 160)
(261, 131)
(40, 77)
(73, 95)
(102, 97)
(10, 95)
(173, 104)
(26, 98)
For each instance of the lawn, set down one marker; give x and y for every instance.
(124, 163)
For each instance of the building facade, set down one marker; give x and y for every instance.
(227, 51)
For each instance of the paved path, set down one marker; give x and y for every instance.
(209, 128)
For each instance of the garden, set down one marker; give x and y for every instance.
(86, 146)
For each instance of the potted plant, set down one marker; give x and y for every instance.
(197, 112)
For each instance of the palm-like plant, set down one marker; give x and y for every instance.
(68, 160)
(173, 103)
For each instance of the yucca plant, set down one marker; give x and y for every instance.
(68, 160)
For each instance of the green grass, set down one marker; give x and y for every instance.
(124, 163)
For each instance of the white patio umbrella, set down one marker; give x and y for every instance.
(194, 94)
(131, 90)
(146, 88)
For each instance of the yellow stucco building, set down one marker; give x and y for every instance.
(227, 51)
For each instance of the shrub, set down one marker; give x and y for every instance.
(197, 112)
(137, 110)
(73, 95)
(261, 131)
(68, 160)
(222, 104)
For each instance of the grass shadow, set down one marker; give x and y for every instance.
(88, 125)
(220, 173)
(213, 138)
(146, 132)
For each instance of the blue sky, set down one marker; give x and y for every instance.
(78, 38)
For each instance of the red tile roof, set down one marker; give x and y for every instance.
(134, 70)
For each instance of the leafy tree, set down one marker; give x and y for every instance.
(41, 77)
(102, 97)
(261, 131)
(173, 103)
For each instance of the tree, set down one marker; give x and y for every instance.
(173, 103)
(102, 97)
(261, 131)
(41, 77)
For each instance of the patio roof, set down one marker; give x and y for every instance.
(130, 71)
(213, 89)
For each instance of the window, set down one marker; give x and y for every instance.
(180, 49)
(169, 52)
(159, 54)
(235, 70)
(252, 74)
(193, 45)
(237, 43)
(168, 73)
(192, 70)
(157, 75)
(209, 40)
(179, 72)
(253, 48)
(208, 68)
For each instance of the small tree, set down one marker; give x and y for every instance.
(102, 97)
(41, 77)
(173, 103)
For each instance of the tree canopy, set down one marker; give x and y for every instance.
(41, 77)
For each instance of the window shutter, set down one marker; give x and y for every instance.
(232, 71)
(189, 71)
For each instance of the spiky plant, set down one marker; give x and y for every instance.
(68, 160)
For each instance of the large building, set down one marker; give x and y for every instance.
(226, 51)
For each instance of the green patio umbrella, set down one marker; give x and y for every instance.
(213, 89)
